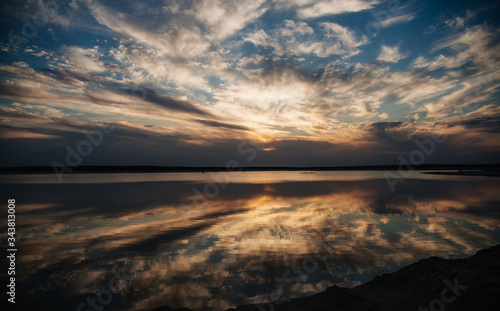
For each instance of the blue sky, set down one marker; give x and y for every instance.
(329, 82)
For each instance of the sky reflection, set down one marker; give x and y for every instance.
(248, 242)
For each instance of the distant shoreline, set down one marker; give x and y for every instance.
(492, 173)
(462, 169)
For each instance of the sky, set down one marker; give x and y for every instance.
(261, 82)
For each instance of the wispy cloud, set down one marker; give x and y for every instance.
(297, 38)
(310, 9)
(390, 54)
(223, 125)
(396, 20)
(223, 18)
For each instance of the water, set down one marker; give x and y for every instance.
(218, 240)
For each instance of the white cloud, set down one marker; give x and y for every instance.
(332, 7)
(384, 116)
(224, 17)
(364, 109)
(297, 38)
(174, 41)
(463, 96)
(182, 33)
(83, 60)
(346, 37)
(396, 19)
(390, 54)
(457, 22)
(295, 28)
(475, 44)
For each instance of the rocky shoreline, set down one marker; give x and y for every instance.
(429, 284)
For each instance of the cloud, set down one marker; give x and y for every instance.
(457, 22)
(26, 135)
(490, 124)
(112, 98)
(224, 125)
(216, 69)
(471, 66)
(186, 32)
(310, 9)
(384, 115)
(165, 101)
(84, 60)
(26, 92)
(405, 18)
(224, 18)
(477, 44)
(298, 38)
(167, 38)
(346, 37)
(382, 127)
(485, 119)
(363, 109)
(390, 54)
(51, 87)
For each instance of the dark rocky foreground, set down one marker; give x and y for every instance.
(429, 284)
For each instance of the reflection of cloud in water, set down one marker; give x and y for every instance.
(235, 248)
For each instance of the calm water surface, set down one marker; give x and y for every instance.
(217, 240)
